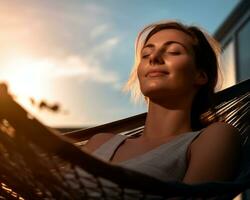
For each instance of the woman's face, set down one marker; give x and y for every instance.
(167, 65)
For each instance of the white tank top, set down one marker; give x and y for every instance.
(167, 162)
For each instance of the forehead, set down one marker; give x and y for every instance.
(165, 35)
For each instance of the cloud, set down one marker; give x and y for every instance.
(72, 66)
(82, 69)
(99, 31)
(36, 25)
(52, 41)
(104, 49)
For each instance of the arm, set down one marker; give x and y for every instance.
(214, 154)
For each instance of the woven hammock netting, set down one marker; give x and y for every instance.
(38, 163)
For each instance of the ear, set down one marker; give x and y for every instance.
(201, 78)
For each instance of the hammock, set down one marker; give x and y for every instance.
(37, 162)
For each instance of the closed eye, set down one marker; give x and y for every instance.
(174, 52)
(146, 52)
(174, 49)
(145, 55)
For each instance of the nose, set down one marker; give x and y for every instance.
(156, 57)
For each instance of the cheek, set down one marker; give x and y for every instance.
(183, 67)
(183, 74)
(140, 73)
(145, 84)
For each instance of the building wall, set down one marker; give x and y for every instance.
(234, 36)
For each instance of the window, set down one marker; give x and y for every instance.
(243, 52)
(228, 67)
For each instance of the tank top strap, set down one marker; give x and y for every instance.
(106, 150)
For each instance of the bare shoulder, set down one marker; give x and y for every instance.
(219, 131)
(214, 154)
(96, 141)
(222, 126)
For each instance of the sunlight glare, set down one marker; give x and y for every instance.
(26, 77)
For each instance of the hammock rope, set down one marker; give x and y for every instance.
(38, 163)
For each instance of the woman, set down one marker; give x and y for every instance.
(176, 70)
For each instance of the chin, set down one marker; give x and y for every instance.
(155, 94)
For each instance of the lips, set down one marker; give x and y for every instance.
(156, 73)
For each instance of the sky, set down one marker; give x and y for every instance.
(79, 53)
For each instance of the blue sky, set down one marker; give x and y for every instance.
(79, 53)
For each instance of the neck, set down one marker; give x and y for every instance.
(168, 119)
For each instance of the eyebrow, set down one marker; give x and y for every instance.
(166, 44)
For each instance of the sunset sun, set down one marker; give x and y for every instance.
(25, 77)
